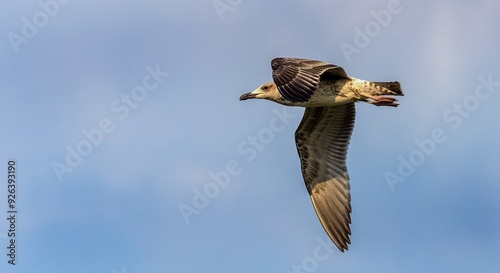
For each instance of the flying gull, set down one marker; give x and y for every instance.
(322, 138)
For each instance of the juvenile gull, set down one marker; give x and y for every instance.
(323, 135)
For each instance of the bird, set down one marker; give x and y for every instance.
(323, 135)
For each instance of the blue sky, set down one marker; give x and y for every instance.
(146, 93)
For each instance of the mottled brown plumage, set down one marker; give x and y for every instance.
(323, 135)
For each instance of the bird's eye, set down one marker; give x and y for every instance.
(265, 87)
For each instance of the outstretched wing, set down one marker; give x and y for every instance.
(297, 79)
(322, 140)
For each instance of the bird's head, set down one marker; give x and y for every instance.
(267, 91)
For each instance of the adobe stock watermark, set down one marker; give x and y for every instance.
(364, 36)
(453, 117)
(320, 254)
(223, 6)
(248, 149)
(121, 109)
(30, 26)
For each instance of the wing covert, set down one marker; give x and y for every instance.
(297, 79)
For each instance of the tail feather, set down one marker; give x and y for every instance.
(393, 87)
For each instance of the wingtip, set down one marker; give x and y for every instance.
(342, 248)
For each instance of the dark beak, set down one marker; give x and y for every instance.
(247, 96)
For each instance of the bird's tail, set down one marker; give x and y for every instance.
(378, 93)
(386, 88)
